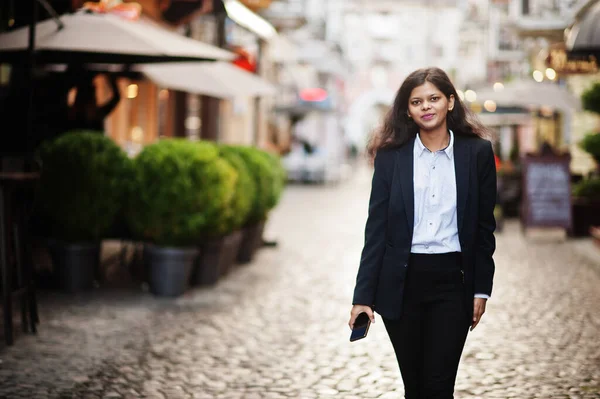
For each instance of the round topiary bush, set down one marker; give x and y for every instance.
(244, 192)
(84, 182)
(261, 171)
(279, 176)
(591, 145)
(591, 98)
(182, 193)
(589, 188)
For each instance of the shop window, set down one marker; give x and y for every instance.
(135, 121)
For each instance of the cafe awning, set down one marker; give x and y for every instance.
(216, 79)
(531, 94)
(105, 38)
(584, 36)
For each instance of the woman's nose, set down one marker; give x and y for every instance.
(425, 106)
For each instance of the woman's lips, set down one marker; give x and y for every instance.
(428, 117)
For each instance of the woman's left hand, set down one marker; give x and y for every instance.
(478, 311)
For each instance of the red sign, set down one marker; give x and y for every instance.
(314, 94)
(244, 59)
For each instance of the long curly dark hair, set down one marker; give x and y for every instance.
(398, 128)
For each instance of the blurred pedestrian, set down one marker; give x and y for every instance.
(86, 113)
(426, 266)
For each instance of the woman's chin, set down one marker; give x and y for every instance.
(430, 127)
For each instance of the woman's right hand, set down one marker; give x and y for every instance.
(358, 309)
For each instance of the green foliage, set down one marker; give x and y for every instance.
(244, 192)
(279, 176)
(591, 145)
(85, 179)
(183, 193)
(267, 179)
(591, 98)
(589, 188)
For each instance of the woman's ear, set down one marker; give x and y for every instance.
(451, 102)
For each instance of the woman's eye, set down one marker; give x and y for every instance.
(415, 103)
(434, 98)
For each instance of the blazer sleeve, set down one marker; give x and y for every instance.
(486, 242)
(375, 234)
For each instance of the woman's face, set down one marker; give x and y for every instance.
(428, 106)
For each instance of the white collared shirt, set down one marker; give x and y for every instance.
(435, 224)
(436, 220)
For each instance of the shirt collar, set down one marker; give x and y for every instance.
(420, 147)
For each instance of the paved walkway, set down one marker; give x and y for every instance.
(277, 328)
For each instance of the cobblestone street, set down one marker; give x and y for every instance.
(277, 328)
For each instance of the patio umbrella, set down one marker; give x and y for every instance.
(530, 94)
(104, 38)
(216, 79)
(584, 36)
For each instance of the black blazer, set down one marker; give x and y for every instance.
(389, 227)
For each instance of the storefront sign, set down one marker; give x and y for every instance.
(546, 191)
(564, 63)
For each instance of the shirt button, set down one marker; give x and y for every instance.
(434, 167)
(433, 195)
(426, 246)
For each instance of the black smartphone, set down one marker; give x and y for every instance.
(361, 327)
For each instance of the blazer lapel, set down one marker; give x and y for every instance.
(405, 171)
(462, 155)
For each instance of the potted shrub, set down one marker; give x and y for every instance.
(182, 187)
(591, 145)
(83, 184)
(253, 225)
(586, 193)
(220, 246)
(586, 206)
(266, 171)
(279, 179)
(590, 100)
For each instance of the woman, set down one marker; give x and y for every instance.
(86, 113)
(426, 265)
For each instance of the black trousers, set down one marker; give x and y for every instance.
(430, 335)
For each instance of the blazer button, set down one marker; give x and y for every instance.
(406, 265)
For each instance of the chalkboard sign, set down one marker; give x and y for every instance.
(546, 191)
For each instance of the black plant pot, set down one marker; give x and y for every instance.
(586, 213)
(217, 258)
(169, 269)
(232, 247)
(251, 241)
(207, 265)
(75, 265)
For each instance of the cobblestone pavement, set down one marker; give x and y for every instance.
(277, 328)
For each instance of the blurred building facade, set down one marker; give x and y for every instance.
(490, 50)
(541, 24)
(382, 41)
(146, 111)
